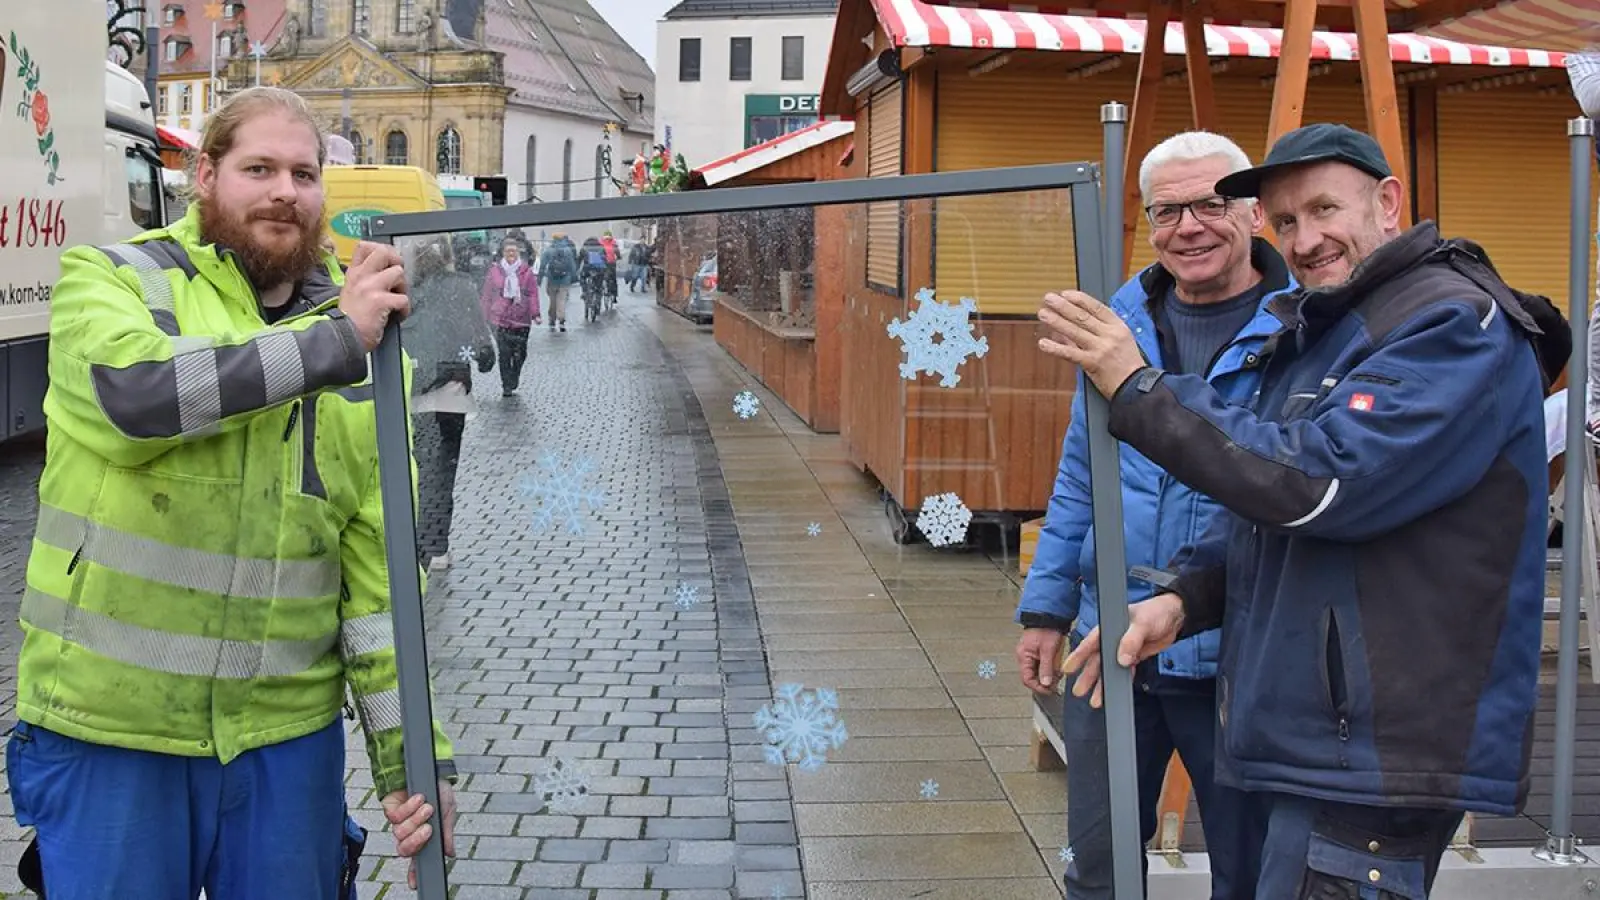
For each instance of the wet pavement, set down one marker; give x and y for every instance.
(602, 687)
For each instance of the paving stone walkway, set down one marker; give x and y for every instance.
(566, 654)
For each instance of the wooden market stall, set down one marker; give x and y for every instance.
(940, 88)
(781, 281)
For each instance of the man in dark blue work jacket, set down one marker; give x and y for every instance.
(1380, 577)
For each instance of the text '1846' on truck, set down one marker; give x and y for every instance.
(78, 165)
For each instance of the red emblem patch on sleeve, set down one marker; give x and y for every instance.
(1361, 402)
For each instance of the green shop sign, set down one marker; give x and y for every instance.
(782, 104)
(348, 222)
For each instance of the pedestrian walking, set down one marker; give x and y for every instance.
(558, 269)
(1200, 309)
(208, 577)
(510, 301)
(638, 266)
(1379, 575)
(445, 334)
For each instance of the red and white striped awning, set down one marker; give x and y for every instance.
(913, 23)
(779, 148)
(1553, 24)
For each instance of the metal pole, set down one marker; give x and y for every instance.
(211, 86)
(405, 593)
(1561, 846)
(152, 69)
(1111, 564)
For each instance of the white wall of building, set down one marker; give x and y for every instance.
(707, 117)
(551, 131)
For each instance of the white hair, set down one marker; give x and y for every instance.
(1187, 146)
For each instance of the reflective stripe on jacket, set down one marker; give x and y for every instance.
(208, 571)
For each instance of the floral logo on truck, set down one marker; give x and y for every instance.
(35, 106)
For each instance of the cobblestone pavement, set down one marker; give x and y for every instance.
(559, 651)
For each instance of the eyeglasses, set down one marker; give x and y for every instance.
(1168, 215)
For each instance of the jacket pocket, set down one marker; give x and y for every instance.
(1347, 863)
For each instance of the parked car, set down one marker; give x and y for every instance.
(701, 308)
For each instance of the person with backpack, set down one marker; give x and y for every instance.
(613, 255)
(638, 267)
(592, 258)
(558, 269)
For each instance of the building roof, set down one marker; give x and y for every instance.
(561, 55)
(728, 9)
(775, 150)
(1552, 24)
(261, 20)
(914, 23)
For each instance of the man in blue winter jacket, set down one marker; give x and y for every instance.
(1379, 574)
(1200, 309)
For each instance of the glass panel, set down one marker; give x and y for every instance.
(637, 543)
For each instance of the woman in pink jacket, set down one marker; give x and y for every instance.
(510, 302)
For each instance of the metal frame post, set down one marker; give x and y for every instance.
(1111, 562)
(1561, 845)
(405, 598)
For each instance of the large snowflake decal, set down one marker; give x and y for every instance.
(465, 354)
(801, 726)
(561, 492)
(562, 785)
(937, 338)
(746, 405)
(944, 520)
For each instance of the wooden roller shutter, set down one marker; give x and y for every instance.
(1505, 182)
(883, 160)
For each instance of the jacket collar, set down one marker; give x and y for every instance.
(317, 289)
(1264, 258)
(1320, 306)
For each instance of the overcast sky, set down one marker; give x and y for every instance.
(636, 21)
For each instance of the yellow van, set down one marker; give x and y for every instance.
(354, 193)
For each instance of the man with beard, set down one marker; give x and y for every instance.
(208, 573)
(1379, 574)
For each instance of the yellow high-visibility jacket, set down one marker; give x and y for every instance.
(208, 572)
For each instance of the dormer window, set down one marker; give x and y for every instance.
(171, 13)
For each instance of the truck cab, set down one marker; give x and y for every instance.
(80, 168)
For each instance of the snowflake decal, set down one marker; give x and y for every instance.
(686, 596)
(561, 492)
(562, 786)
(944, 520)
(1066, 855)
(814, 529)
(801, 726)
(746, 405)
(987, 669)
(465, 354)
(937, 338)
(930, 789)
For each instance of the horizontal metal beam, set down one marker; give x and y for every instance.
(724, 200)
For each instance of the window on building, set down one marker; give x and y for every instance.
(396, 149)
(185, 99)
(175, 48)
(530, 188)
(173, 11)
(405, 16)
(739, 59)
(688, 59)
(765, 128)
(566, 170)
(317, 22)
(161, 100)
(449, 151)
(225, 46)
(361, 17)
(233, 10)
(794, 58)
(358, 143)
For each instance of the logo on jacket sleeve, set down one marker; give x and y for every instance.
(1361, 402)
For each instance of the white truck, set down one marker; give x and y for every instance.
(72, 171)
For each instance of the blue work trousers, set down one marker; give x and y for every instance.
(135, 825)
(1169, 715)
(1321, 850)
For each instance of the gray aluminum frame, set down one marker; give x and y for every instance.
(1097, 232)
